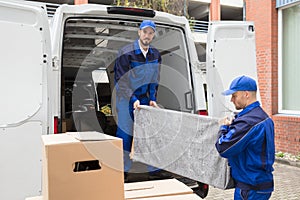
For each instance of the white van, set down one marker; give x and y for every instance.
(64, 83)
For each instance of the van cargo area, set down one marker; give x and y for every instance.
(90, 47)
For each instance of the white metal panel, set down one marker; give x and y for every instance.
(25, 61)
(20, 164)
(231, 53)
(21, 61)
(198, 75)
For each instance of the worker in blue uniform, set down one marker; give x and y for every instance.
(247, 141)
(136, 70)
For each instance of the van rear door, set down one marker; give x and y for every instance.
(230, 53)
(24, 59)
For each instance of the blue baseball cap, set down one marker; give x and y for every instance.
(148, 23)
(241, 83)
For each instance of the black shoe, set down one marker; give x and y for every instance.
(159, 175)
(126, 180)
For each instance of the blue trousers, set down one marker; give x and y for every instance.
(251, 195)
(125, 128)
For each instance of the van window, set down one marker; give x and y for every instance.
(90, 47)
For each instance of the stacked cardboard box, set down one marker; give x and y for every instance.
(168, 189)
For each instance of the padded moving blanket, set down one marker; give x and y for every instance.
(181, 143)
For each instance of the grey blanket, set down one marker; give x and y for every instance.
(181, 143)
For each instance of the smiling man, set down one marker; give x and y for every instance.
(136, 70)
(248, 142)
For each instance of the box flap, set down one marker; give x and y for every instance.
(75, 137)
(92, 136)
(54, 139)
(134, 187)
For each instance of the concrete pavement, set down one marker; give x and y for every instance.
(286, 177)
(287, 185)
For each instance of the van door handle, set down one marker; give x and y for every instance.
(188, 100)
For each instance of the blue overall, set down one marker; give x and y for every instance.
(248, 143)
(136, 78)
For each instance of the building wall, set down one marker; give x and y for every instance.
(215, 10)
(261, 13)
(265, 16)
(77, 2)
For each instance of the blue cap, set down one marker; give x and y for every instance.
(147, 23)
(241, 83)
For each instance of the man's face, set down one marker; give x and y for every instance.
(146, 36)
(239, 99)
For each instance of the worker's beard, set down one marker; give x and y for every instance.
(145, 42)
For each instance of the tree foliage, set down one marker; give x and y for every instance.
(176, 7)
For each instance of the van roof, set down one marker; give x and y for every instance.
(98, 9)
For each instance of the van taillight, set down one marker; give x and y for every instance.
(130, 11)
(55, 125)
(202, 112)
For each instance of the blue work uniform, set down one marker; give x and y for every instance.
(248, 143)
(136, 78)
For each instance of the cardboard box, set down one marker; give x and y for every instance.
(63, 126)
(155, 188)
(174, 197)
(77, 170)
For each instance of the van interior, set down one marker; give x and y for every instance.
(90, 47)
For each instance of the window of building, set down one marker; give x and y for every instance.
(289, 59)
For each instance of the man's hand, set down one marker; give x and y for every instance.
(226, 121)
(153, 104)
(136, 104)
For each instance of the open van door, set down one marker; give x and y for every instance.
(25, 59)
(230, 53)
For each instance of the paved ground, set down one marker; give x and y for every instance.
(287, 185)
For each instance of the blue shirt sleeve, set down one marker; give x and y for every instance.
(231, 139)
(122, 66)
